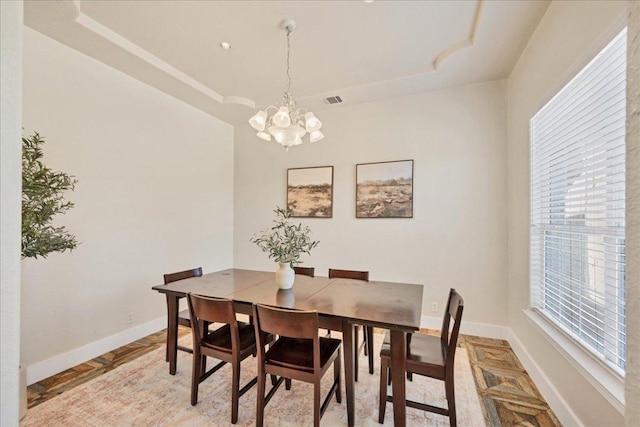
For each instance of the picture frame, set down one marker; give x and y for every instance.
(384, 189)
(310, 192)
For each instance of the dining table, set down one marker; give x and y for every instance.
(340, 303)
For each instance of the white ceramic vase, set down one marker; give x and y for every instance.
(285, 275)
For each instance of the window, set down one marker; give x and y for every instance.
(578, 206)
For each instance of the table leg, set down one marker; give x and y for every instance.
(172, 332)
(398, 372)
(348, 344)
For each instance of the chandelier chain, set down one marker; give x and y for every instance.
(288, 55)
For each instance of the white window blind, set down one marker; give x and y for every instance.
(578, 206)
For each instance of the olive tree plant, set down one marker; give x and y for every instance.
(285, 242)
(42, 199)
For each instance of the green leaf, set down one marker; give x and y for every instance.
(42, 200)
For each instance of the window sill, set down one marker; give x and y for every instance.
(608, 383)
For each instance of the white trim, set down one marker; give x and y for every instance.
(41, 370)
(470, 328)
(149, 58)
(561, 409)
(609, 384)
(555, 400)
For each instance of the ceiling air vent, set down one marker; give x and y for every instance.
(332, 100)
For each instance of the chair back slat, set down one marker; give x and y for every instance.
(449, 335)
(204, 310)
(181, 275)
(305, 271)
(349, 274)
(212, 310)
(288, 323)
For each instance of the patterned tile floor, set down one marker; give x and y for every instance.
(507, 394)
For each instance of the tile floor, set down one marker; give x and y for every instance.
(507, 394)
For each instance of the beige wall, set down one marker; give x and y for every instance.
(10, 184)
(569, 35)
(155, 195)
(632, 390)
(457, 238)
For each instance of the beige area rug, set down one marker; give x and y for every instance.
(142, 393)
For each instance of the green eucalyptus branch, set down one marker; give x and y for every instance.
(285, 242)
(42, 199)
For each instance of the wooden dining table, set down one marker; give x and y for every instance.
(340, 303)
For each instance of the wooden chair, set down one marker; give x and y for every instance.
(299, 354)
(305, 271)
(183, 317)
(231, 343)
(367, 342)
(430, 356)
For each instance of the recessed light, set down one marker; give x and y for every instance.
(225, 45)
(368, 1)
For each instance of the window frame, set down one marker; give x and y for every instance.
(608, 381)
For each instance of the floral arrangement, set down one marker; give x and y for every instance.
(285, 242)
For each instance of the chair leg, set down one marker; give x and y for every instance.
(195, 376)
(287, 383)
(365, 334)
(369, 346)
(262, 379)
(355, 353)
(451, 400)
(384, 372)
(235, 391)
(316, 404)
(337, 367)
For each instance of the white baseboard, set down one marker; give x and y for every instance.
(46, 368)
(470, 328)
(555, 400)
(557, 403)
(41, 370)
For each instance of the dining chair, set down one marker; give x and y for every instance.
(305, 271)
(299, 353)
(430, 356)
(367, 331)
(184, 318)
(231, 343)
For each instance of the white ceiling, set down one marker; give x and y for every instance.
(360, 51)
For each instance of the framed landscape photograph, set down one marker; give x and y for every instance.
(384, 189)
(310, 192)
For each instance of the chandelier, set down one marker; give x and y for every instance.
(287, 124)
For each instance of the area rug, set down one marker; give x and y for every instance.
(142, 393)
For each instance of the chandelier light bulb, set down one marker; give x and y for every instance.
(282, 118)
(258, 121)
(315, 136)
(312, 123)
(264, 135)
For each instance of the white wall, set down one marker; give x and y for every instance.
(10, 185)
(568, 36)
(457, 238)
(155, 195)
(632, 387)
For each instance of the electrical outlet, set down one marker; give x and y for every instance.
(434, 307)
(129, 318)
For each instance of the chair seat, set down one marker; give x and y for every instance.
(298, 353)
(220, 339)
(423, 349)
